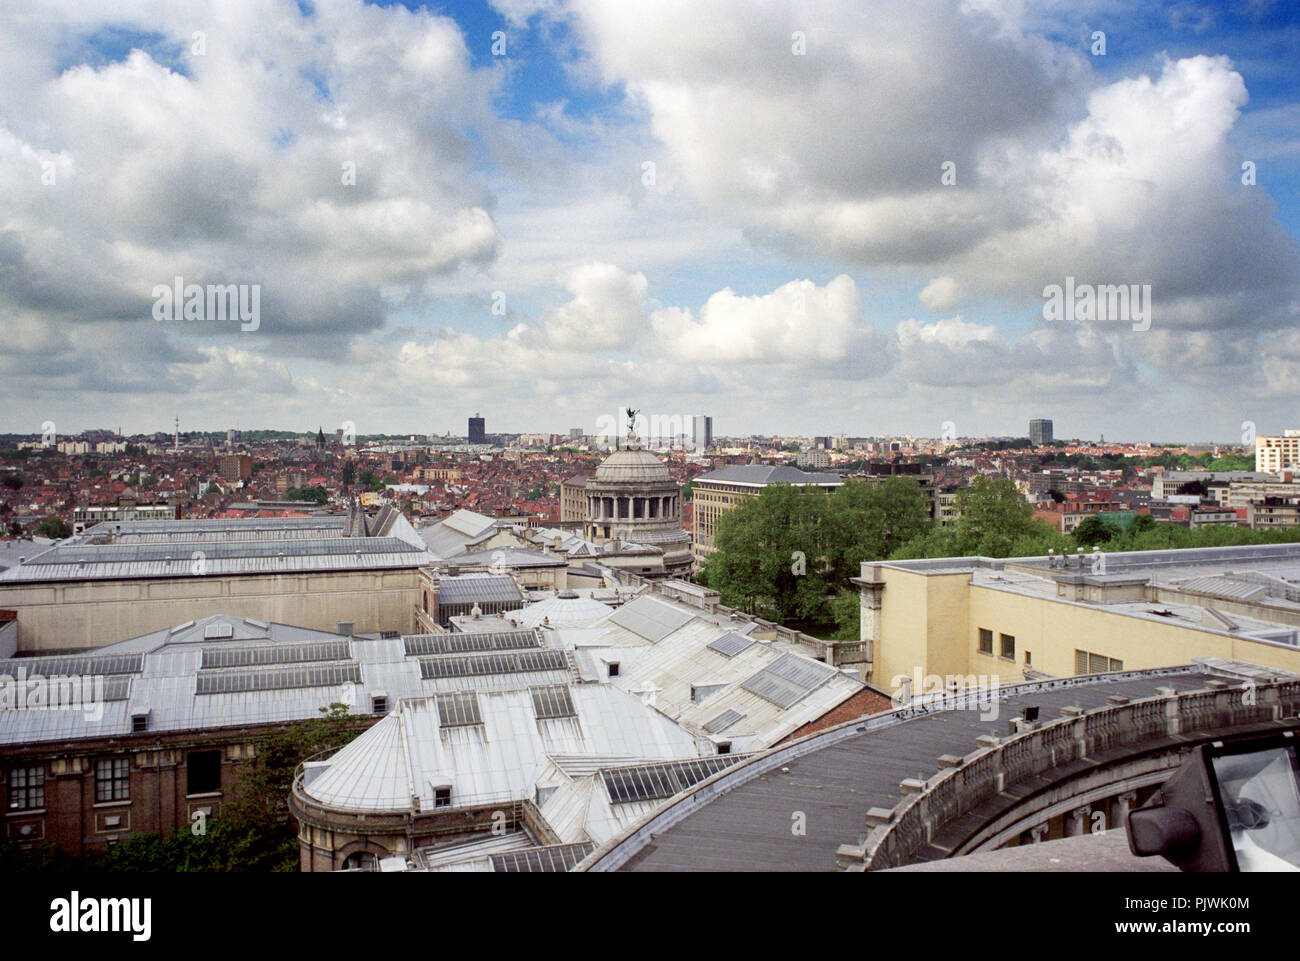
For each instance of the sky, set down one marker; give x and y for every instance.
(819, 217)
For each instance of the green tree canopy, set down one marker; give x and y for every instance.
(769, 554)
(54, 528)
(867, 521)
(1094, 531)
(993, 513)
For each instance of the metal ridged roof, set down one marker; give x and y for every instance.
(214, 657)
(552, 702)
(84, 665)
(425, 644)
(513, 663)
(459, 709)
(552, 858)
(651, 618)
(723, 721)
(655, 782)
(788, 679)
(731, 644)
(477, 589)
(316, 675)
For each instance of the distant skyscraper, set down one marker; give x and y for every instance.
(702, 431)
(1040, 432)
(476, 434)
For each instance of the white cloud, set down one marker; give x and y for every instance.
(798, 323)
(607, 309)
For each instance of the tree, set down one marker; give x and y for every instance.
(847, 611)
(1141, 523)
(54, 528)
(317, 495)
(1093, 531)
(867, 521)
(349, 474)
(15, 529)
(769, 557)
(992, 514)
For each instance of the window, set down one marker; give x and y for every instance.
(1029, 659)
(1009, 646)
(613, 668)
(724, 747)
(1088, 663)
(986, 641)
(112, 780)
(139, 723)
(379, 704)
(203, 772)
(442, 797)
(26, 788)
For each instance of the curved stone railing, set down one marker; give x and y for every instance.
(931, 804)
(617, 851)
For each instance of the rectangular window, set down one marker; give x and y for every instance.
(613, 669)
(112, 780)
(379, 704)
(1009, 646)
(1080, 662)
(26, 788)
(442, 797)
(202, 772)
(986, 641)
(1029, 659)
(1116, 665)
(1098, 664)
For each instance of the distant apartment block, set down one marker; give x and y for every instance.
(1040, 432)
(235, 467)
(1269, 513)
(1273, 454)
(813, 458)
(1217, 484)
(477, 430)
(573, 498)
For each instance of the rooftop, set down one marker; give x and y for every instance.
(741, 820)
(760, 475)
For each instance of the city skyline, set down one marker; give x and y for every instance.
(980, 215)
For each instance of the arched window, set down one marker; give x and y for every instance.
(361, 861)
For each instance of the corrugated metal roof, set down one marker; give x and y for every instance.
(477, 589)
(429, 644)
(409, 754)
(197, 559)
(651, 618)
